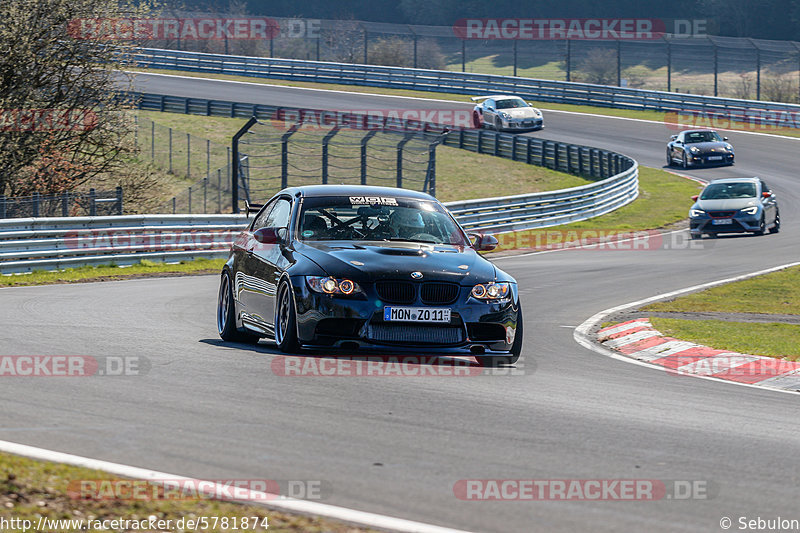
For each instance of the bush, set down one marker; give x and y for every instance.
(599, 67)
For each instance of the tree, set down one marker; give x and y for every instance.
(61, 122)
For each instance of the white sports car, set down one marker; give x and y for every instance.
(503, 112)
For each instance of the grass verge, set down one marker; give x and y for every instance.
(113, 273)
(32, 489)
(770, 339)
(656, 116)
(774, 293)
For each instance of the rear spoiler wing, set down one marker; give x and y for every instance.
(479, 98)
(251, 208)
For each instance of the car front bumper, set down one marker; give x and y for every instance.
(523, 123)
(738, 224)
(706, 159)
(349, 322)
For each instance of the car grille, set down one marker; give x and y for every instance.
(721, 214)
(439, 293)
(415, 334)
(396, 292)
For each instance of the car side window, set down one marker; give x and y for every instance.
(764, 186)
(279, 215)
(261, 219)
(680, 138)
(490, 103)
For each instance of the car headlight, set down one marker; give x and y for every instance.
(504, 114)
(491, 291)
(696, 213)
(329, 285)
(537, 112)
(695, 150)
(729, 147)
(750, 210)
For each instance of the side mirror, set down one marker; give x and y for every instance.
(485, 243)
(724, 138)
(766, 194)
(267, 235)
(673, 137)
(695, 197)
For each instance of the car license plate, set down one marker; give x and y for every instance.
(416, 314)
(721, 221)
(714, 157)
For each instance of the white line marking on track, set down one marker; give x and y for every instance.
(284, 504)
(584, 337)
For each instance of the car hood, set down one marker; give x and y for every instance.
(520, 112)
(721, 147)
(729, 204)
(369, 261)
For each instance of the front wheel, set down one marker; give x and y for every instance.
(514, 353)
(669, 159)
(777, 227)
(498, 124)
(762, 226)
(684, 161)
(286, 320)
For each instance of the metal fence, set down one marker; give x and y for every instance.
(709, 65)
(750, 111)
(68, 203)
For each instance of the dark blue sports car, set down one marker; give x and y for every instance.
(353, 267)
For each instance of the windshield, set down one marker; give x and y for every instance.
(702, 137)
(511, 103)
(723, 191)
(370, 218)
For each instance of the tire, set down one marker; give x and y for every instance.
(513, 356)
(498, 124)
(696, 236)
(226, 314)
(777, 227)
(476, 120)
(762, 227)
(684, 161)
(286, 320)
(669, 159)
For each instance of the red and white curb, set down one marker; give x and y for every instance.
(785, 377)
(638, 339)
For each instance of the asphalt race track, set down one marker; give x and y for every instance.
(398, 445)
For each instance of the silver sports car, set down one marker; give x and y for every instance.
(503, 112)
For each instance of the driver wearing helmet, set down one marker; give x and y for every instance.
(407, 222)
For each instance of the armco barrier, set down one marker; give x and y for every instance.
(463, 83)
(28, 244)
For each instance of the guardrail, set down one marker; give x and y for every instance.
(464, 83)
(58, 243)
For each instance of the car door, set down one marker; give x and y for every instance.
(489, 111)
(246, 283)
(678, 147)
(269, 261)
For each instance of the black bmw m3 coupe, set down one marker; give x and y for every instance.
(354, 267)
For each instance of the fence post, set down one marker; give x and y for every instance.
(2, 206)
(529, 143)
(174, 206)
(325, 141)
(152, 141)
(514, 148)
(188, 155)
(716, 65)
(219, 190)
(190, 200)
(170, 150)
(416, 37)
(543, 156)
(366, 40)
(35, 204)
(580, 161)
(515, 58)
(669, 65)
(556, 150)
(205, 195)
(569, 60)
(569, 160)
(758, 69)
(285, 154)
(120, 210)
(463, 55)
(233, 163)
(92, 203)
(208, 157)
(364, 140)
(407, 137)
(479, 141)
(619, 62)
(65, 204)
